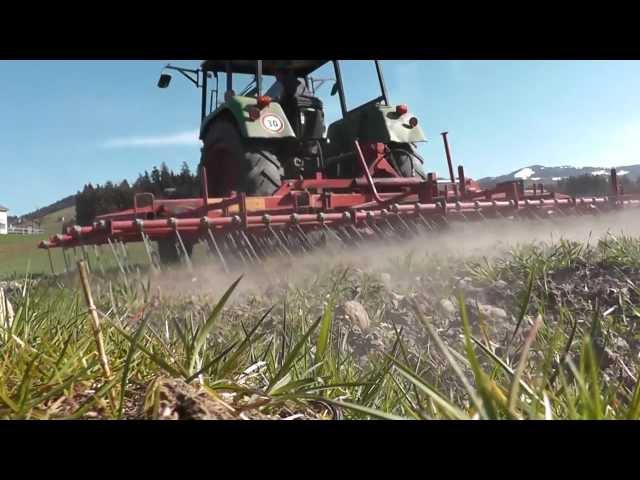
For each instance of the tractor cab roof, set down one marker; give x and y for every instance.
(301, 68)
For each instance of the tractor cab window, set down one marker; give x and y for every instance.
(320, 83)
(360, 82)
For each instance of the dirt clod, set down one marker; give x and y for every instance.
(357, 314)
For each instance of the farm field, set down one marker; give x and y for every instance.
(19, 254)
(515, 322)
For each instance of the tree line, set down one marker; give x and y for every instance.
(162, 182)
(595, 185)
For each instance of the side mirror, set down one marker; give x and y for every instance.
(334, 89)
(164, 81)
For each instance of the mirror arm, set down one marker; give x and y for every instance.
(185, 72)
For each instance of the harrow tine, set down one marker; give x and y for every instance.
(274, 234)
(236, 248)
(241, 242)
(304, 237)
(53, 272)
(348, 233)
(149, 249)
(125, 256)
(259, 245)
(85, 256)
(299, 244)
(535, 215)
(374, 228)
(98, 259)
(416, 225)
(66, 260)
(250, 247)
(334, 233)
(285, 239)
(213, 245)
(425, 222)
(356, 233)
(561, 212)
(118, 261)
(408, 229)
(391, 231)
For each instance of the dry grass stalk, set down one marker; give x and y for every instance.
(95, 326)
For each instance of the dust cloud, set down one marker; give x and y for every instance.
(489, 239)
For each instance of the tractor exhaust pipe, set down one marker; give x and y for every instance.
(449, 163)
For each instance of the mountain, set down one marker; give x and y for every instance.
(549, 175)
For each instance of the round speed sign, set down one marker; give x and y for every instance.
(273, 123)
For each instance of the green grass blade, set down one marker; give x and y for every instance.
(506, 368)
(524, 305)
(444, 350)
(325, 332)
(447, 407)
(203, 332)
(293, 354)
(372, 412)
(128, 360)
(515, 384)
(177, 372)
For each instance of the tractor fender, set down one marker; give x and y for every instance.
(374, 123)
(273, 122)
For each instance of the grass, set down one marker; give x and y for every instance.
(289, 351)
(19, 253)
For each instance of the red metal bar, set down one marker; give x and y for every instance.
(449, 162)
(365, 170)
(613, 184)
(462, 180)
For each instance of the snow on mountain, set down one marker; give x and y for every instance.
(524, 173)
(550, 174)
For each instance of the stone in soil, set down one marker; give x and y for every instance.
(447, 306)
(357, 314)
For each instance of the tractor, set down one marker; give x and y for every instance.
(277, 180)
(255, 140)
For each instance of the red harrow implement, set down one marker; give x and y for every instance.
(303, 214)
(275, 180)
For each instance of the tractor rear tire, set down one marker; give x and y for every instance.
(404, 157)
(247, 166)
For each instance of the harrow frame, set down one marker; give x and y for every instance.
(345, 210)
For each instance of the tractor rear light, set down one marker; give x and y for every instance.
(263, 101)
(254, 113)
(402, 109)
(413, 122)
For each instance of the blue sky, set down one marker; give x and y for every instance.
(67, 123)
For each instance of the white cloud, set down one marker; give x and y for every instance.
(174, 139)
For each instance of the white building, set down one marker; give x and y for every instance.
(4, 223)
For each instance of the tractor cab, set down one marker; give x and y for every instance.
(290, 88)
(255, 137)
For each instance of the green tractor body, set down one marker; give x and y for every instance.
(253, 141)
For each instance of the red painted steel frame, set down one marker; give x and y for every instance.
(310, 204)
